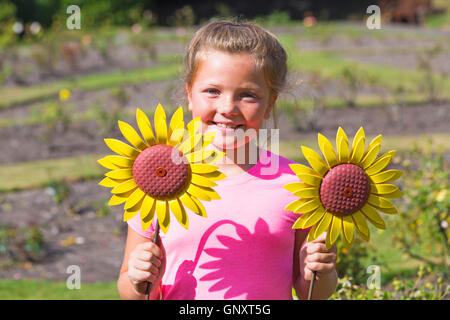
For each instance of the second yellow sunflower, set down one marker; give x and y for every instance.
(343, 191)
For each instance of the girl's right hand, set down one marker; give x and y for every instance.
(147, 263)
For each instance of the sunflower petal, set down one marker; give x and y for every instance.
(383, 189)
(125, 186)
(109, 183)
(200, 156)
(307, 193)
(359, 134)
(342, 145)
(386, 176)
(327, 150)
(120, 161)
(323, 224)
(134, 198)
(202, 181)
(308, 206)
(370, 155)
(375, 141)
(189, 144)
(176, 122)
(295, 186)
(357, 151)
(193, 126)
(108, 164)
(132, 136)
(186, 199)
(198, 192)
(122, 148)
(373, 216)
(333, 232)
(163, 214)
(315, 161)
(203, 168)
(380, 164)
(309, 219)
(302, 169)
(116, 200)
(361, 225)
(120, 174)
(310, 179)
(179, 212)
(200, 207)
(348, 229)
(295, 204)
(214, 176)
(379, 202)
(311, 233)
(145, 127)
(127, 215)
(148, 219)
(146, 207)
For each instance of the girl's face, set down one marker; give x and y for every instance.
(230, 94)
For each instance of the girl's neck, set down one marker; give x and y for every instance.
(238, 161)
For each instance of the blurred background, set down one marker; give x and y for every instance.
(62, 91)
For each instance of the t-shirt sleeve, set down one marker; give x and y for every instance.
(135, 224)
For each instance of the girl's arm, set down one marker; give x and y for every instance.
(145, 265)
(313, 256)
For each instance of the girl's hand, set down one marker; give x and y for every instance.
(315, 257)
(147, 263)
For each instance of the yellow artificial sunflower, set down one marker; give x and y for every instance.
(344, 190)
(162, 172)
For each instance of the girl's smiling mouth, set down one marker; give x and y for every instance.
(226, 126)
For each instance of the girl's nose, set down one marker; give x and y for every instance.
(228, 107)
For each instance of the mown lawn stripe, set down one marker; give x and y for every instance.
(37, 174)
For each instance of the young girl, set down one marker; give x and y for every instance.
(246, 247)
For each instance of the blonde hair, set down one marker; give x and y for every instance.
(239, 37)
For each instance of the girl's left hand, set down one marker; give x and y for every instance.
(315, 257)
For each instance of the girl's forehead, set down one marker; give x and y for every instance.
(218, 64)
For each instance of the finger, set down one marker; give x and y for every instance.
(320, 239)
(320, 267)
(321, 257)
(316, 247)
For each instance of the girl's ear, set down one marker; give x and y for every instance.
(273, 98)
(189, 96)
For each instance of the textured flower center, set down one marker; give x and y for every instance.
(157, 174)
(344, 189)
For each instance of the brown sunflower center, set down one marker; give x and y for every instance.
(157, 174)
(344, 189)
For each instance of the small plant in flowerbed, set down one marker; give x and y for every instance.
(429, 83)
(21, 245)
(108, 115)
(423, 287)
(352, 79)
(422, 231)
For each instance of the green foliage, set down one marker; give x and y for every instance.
(425, 286)
(7, 19)
(351, 263)
(59, 190)
(183, 17)
(275, 18)
(422, 229)
(19, 245)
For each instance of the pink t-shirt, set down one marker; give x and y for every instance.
(244, 248)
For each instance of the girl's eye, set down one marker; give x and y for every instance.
(248, 95)
(212, 91)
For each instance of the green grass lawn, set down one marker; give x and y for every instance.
(36, 174)
(24, 289)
